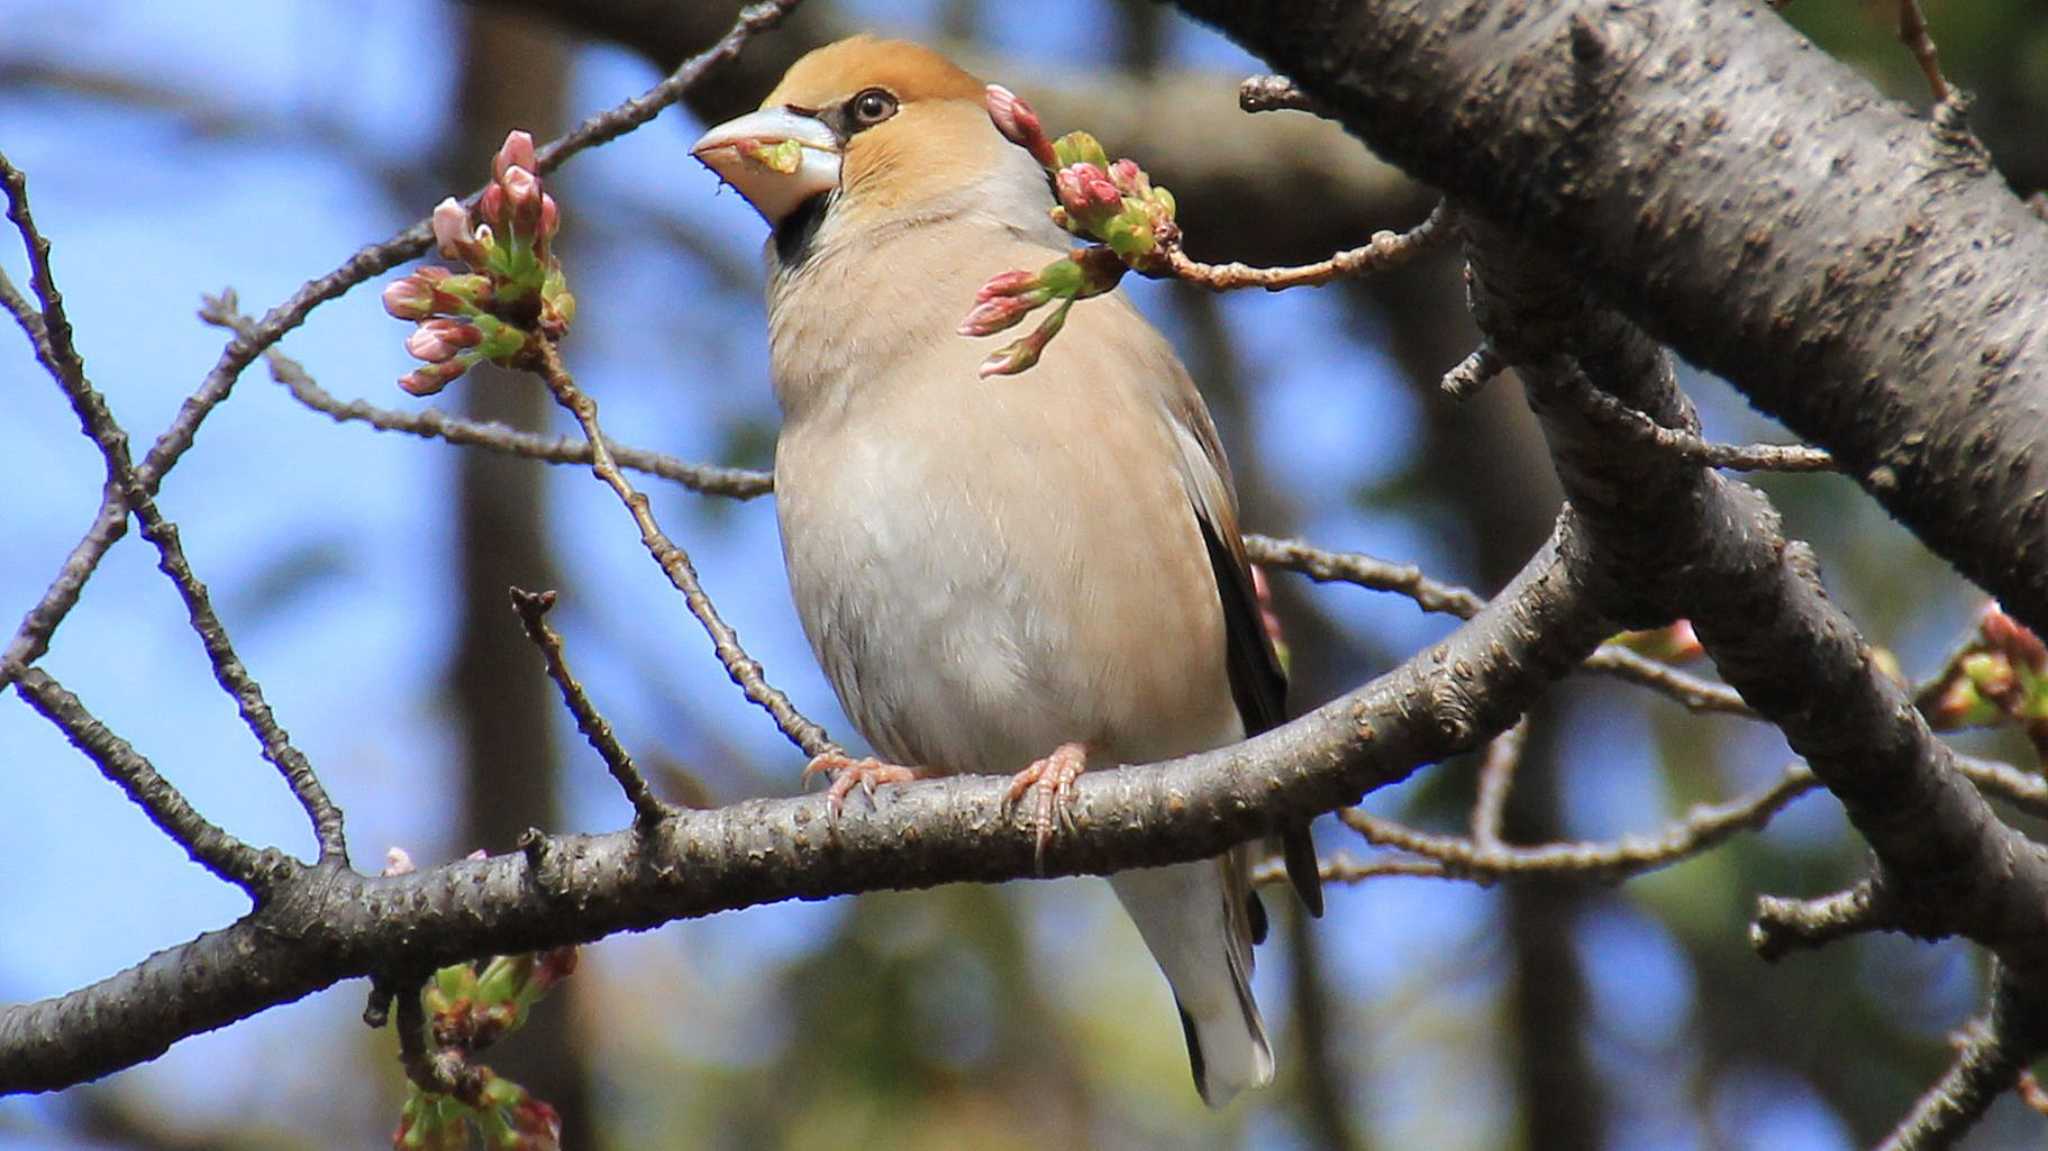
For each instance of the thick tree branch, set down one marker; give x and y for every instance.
(332, 924)
(1679, 540)
(1861, 274)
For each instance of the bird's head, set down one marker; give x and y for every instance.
(867, 125)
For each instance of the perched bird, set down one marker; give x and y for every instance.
(1011, 576)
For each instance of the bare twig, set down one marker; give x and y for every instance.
(1496, 777)
(1786, 925)
(1688, 446)
(1469, 376)
(60, 357)
(32, 637)
(1701, 829)
(1430, 595)
(1343, 867)
(1992, 1054)
(1364, 571)
(648, 809)
(1385, 250)
(676, 563)
(1684, 688)
(208, 845)
(433, 423)
(1913, 34)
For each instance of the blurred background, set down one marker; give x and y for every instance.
(175, 147)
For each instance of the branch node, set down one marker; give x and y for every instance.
(1471, 374)
(1276, 94)
(1783, 925)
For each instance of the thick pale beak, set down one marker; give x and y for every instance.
(776, 158)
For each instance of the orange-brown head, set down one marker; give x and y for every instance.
(878, 123)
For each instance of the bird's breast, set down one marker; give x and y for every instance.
(983, 577)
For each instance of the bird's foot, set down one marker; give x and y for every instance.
(848, 773)
(1054, 778)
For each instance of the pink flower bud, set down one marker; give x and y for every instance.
(452, 234)
(996, 314)
(491, 206)
(1018, 123)
(550, 216)
(440, 338)
(1021, 354)
(1012, 283)
(397, 861)
(411, 298)
(2006, 634)
(537, 1125)
(430, 378)
(1088, 195)
(515, 152)
(523, 199)
(1130, 179)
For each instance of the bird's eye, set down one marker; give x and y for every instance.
(872, 107)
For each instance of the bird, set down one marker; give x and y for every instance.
(1018, 576)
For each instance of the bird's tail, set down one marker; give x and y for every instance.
(1197, 920)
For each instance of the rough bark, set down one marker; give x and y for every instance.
(1858, 272)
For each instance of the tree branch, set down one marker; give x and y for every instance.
(1443, 701)
(1860, 274)
(60, 357)
(209, 846)
(648, 809)
(675, 563)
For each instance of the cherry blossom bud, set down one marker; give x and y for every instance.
(412, 298)
(1130, 179)
(397, 861)
(995, 315)
(515, 152)
(550, 216)
(523, 202)
(2003, 633)
(538, 1125)
(1079, 148)
(1018, 123)
(1091, 200)
(439, 339)
(1023, 353)
(453, 236)
(431, 378)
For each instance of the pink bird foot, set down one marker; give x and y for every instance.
(1054, 778)
(848, 773)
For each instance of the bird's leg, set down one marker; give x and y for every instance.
(1054, 778)
(848, 773)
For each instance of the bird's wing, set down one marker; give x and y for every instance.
(1256, 680)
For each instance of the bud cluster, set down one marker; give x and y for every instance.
(468, 1010)
(514, 285)
(1113, 204)
(2000, 676)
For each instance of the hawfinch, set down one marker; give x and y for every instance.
(1000, 576)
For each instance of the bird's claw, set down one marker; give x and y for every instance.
(1054, 778)
(848, 773)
